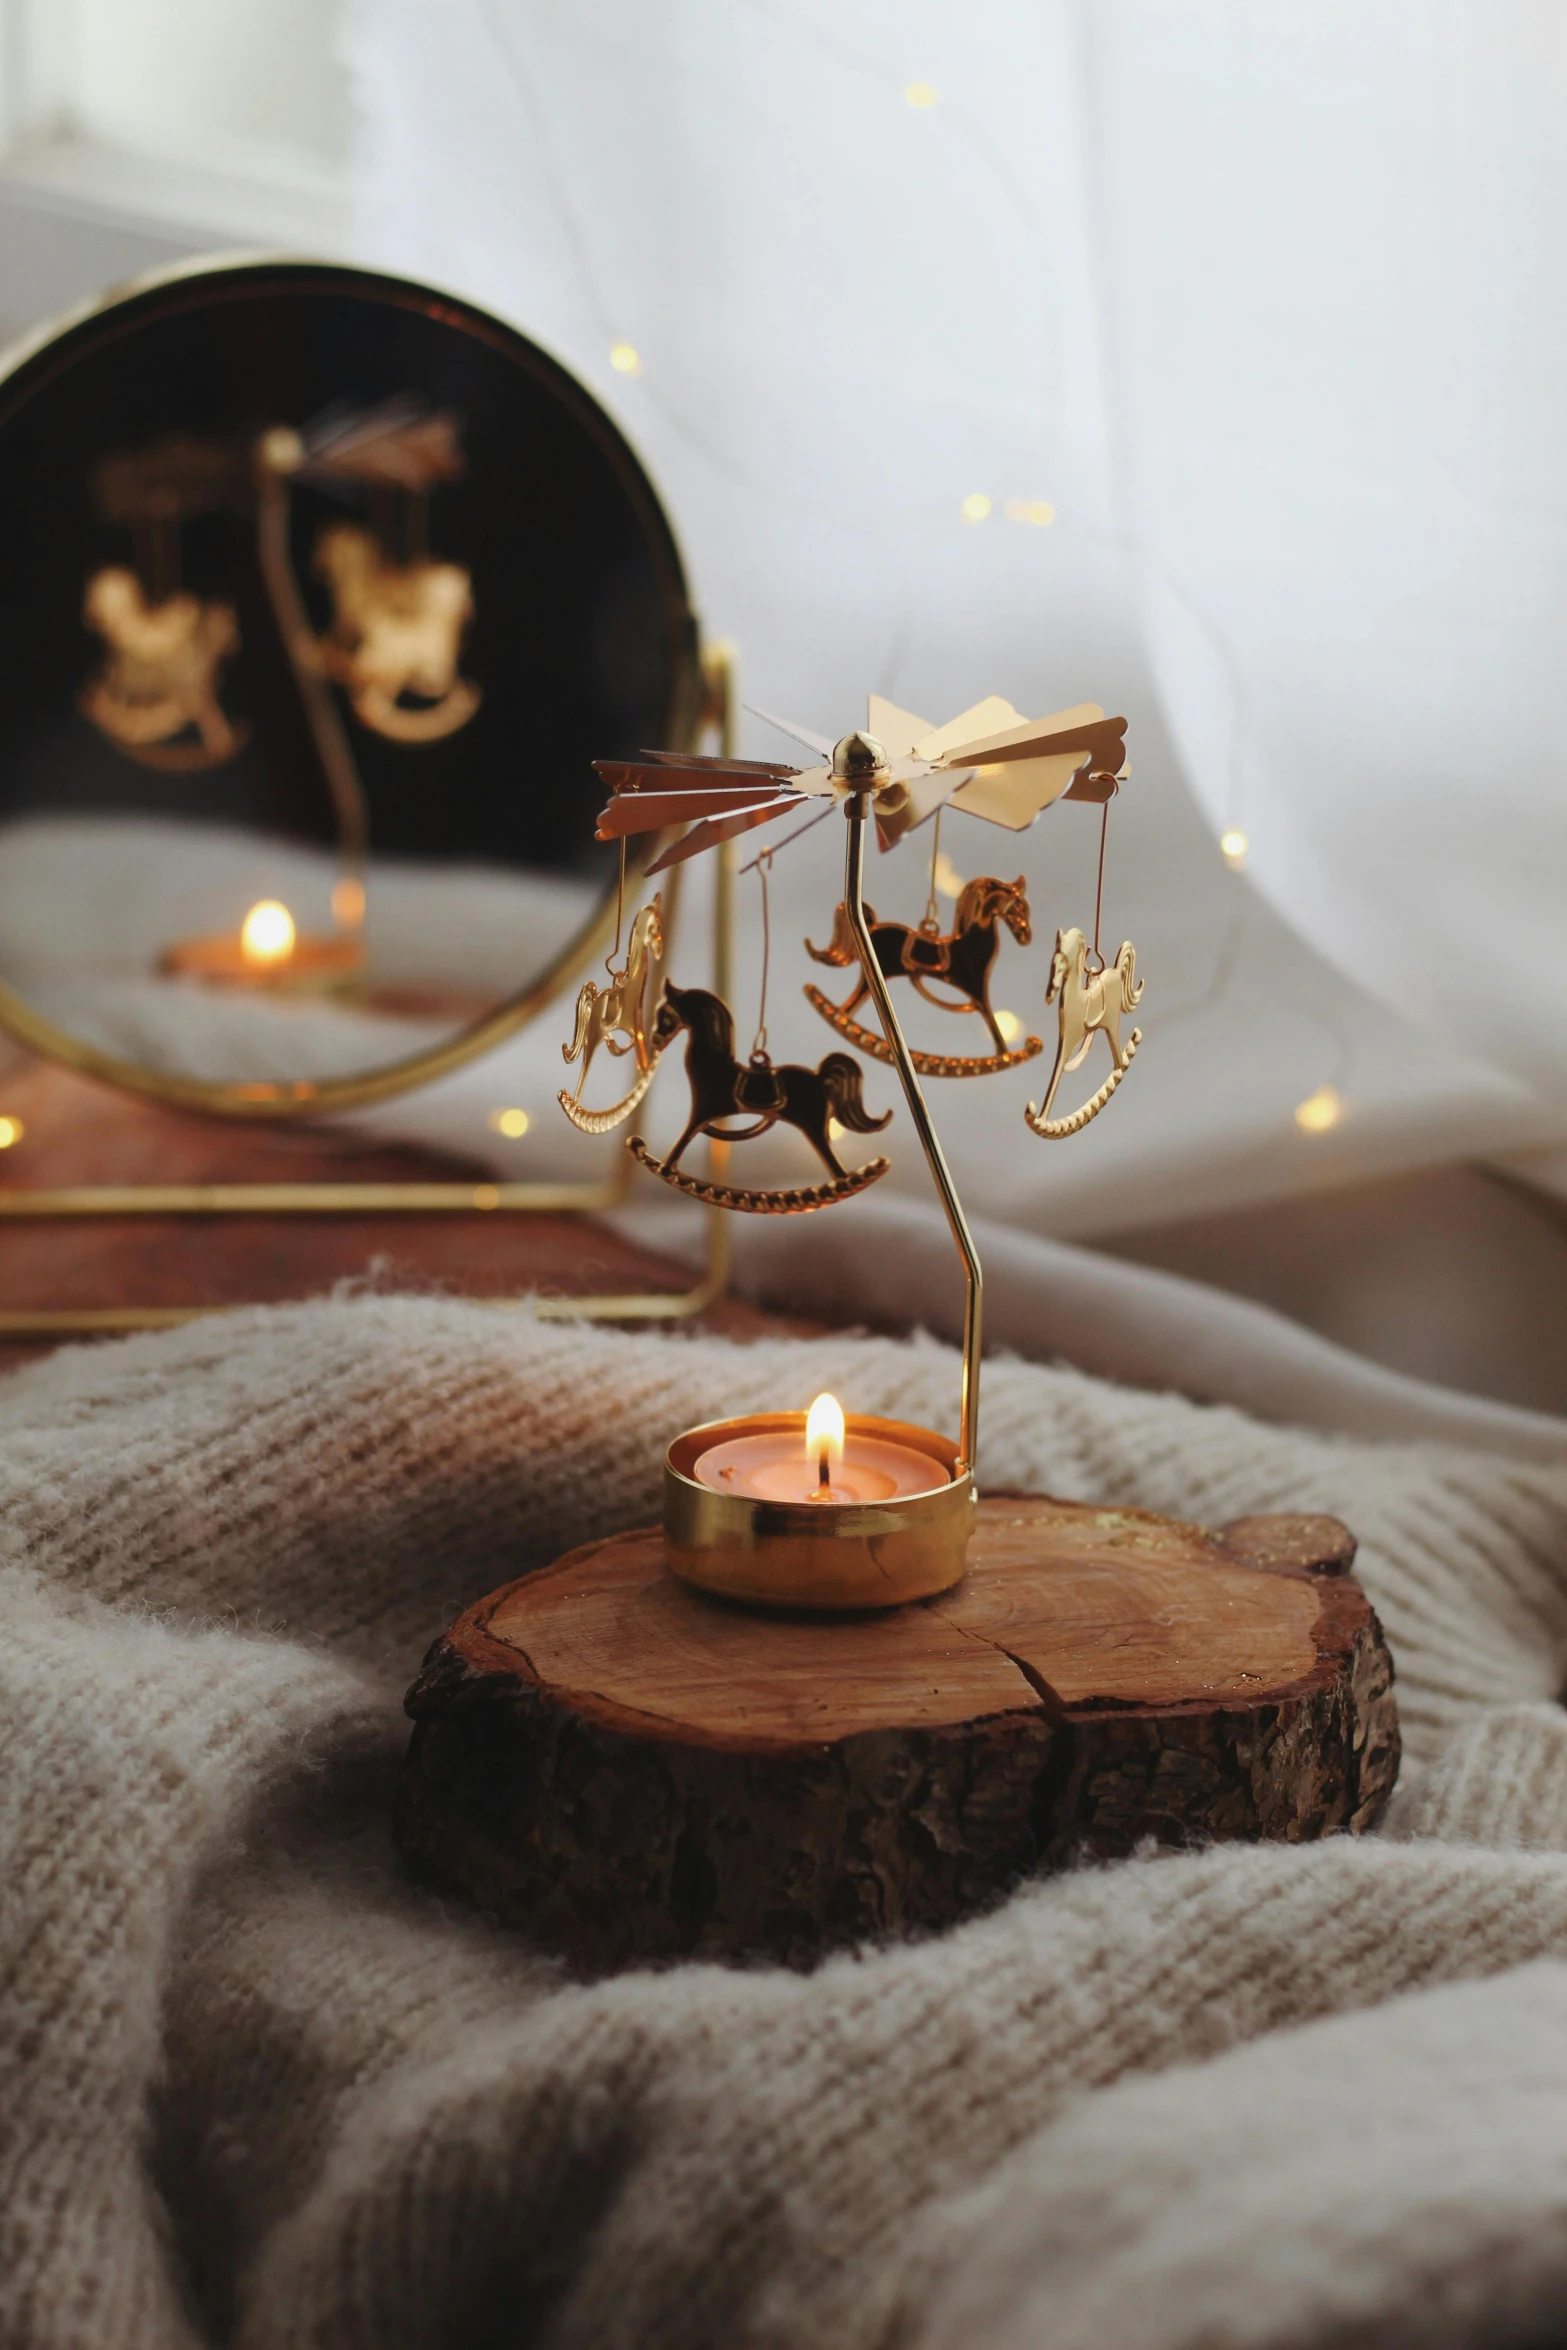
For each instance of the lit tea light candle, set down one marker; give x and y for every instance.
(268, 951)
(822, 1464)
(267, 935)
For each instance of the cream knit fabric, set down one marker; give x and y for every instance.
(256, 2089)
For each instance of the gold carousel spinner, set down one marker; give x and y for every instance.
(901, 772)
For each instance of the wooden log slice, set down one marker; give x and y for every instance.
(631, 1769)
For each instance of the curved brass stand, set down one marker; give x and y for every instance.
(857, 808)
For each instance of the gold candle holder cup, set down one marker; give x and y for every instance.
(838, 1556)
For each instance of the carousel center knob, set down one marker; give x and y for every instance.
(859, 761)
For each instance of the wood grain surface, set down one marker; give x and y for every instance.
(630, 1768)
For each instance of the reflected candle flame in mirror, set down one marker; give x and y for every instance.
(266, 935)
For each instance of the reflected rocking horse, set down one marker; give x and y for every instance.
(395, 637)
(961, 960)
(789, 1094)
(621, 1009)
(156, 695)
(1091, 1004)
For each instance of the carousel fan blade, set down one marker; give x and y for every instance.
(710, 830)
(821, 744)
(400, 444)
(926, 789)
(1088, 730)
(897, 730)
(702, 761)
(1015, 794)
(1026, 730)
(672, 770)
(648, 811)
(815, 782)
(986, 720)
(1097, 788)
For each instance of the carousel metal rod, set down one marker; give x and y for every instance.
(278, 452)
(857, 809)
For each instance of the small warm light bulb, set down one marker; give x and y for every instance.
(1037, 511)
(348, 903)
(1010, 1026)
(922, 95)
(11, 1130)
(824, 1438)
(512, 1123)
(626, 359)
(1232, 848)
(266, 935)
(975, 506)
(1319, 1111)
(949, 881)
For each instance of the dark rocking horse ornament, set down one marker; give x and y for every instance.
(961, 960)
(810, 1100)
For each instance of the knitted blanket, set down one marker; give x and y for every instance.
(257, 2089)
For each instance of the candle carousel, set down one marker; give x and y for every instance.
(862, 1513)
(837, 1691)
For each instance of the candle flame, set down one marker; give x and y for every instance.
(266, 935)
(824, 1435)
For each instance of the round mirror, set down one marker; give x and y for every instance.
(320, 593)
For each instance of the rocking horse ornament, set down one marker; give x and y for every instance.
(623, 1009)
(810, 1100)
(395, 636)
(1091, 1004)
(157, 693)
(961, 960)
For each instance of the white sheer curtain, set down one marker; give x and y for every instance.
(1121, 260)
(1334, 235)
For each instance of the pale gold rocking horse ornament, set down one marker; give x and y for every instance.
(395, 636)
(1091, 1004)
(156, 694)
(624, 1009)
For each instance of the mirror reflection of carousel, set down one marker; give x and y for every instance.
(392, 645)
(323, 589)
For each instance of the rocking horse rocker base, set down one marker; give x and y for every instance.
(605, 1121)
(802, 1200)
(875, 1048)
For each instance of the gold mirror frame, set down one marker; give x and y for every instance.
(702, 697)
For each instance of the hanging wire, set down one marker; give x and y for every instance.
(1099, 892)
(620, 915)
(932, 920)
(763, 865)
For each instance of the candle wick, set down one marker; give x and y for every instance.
(823, 1473)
